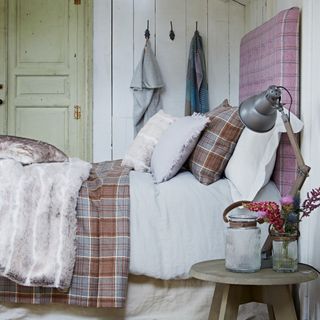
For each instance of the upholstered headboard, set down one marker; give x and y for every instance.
(269, 55)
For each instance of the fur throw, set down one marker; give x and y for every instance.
(38, 221)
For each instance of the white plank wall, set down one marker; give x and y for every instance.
(236, 31)
(221, 25)
(171, 55)
(129, 18)
(310, 107)
(122, 66)
(102, 85)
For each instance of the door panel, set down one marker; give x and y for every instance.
(43, 130)
(42, 31)
(46, 58)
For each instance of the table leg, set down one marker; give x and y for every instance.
(226, 301)
(279, 297)
(270, 312)
(216, 302)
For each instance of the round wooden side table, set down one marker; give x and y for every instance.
(264, 286)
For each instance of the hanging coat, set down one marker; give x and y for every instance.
(146, 84)
(197, 83)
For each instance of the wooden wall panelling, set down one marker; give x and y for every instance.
(256, 13)
(218, 51)
(123, 11)
(310, 106)
(171, 55)
(236, 31)
(143, 10)
(128, 41)
(102, 88)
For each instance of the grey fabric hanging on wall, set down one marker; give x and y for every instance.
(146, 85)
(197, 83)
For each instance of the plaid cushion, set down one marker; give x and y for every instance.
(216, 145)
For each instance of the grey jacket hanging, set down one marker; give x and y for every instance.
(146, 84)
(197, 84)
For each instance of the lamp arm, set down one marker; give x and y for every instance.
(302, 174)
(303, 169)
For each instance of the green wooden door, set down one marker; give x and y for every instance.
(3, 57)
(47, 72)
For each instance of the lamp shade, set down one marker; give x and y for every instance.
(259, 113)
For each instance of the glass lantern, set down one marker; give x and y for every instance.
(285, 253)
(243, 249)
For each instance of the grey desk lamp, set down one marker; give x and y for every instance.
(259, 113)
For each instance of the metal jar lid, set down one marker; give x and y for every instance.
(243, 220)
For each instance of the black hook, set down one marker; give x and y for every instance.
(171, 34)
(147, 32)
(196, 25)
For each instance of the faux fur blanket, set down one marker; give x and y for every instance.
(38, 221)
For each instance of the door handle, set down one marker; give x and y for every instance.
(1, 101)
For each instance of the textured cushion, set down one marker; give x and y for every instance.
(175, 146)
(29, 151)
(140, 152)
(253, 159)
(210, 156)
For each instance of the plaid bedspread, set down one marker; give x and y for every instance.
(102, 260)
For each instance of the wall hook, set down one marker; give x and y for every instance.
(171, 34)
(147, 32)
(196, 25)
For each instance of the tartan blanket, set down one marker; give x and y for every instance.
(102, 259)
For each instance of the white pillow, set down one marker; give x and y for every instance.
(140, 152)
(175, 146)
(251, 164)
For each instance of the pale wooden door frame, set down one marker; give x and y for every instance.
(87, 127)
(85, 38)
(3, 66)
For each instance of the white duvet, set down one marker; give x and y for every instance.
(178, 223)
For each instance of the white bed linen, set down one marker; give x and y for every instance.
(177, 223)
(149, 298)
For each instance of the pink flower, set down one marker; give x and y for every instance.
(271, 213)
(285, 219)
(261, 214)
(287, 200)
(311, 203)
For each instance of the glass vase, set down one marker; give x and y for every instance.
(285, 253)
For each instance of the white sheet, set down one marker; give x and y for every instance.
(178, 223)
(150, 298)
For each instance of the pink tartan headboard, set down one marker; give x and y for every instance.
(269, 55)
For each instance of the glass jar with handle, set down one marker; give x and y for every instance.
(242, 241)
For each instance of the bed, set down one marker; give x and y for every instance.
(176, 230)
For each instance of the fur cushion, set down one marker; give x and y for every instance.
(29, 151)
(140, 152)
